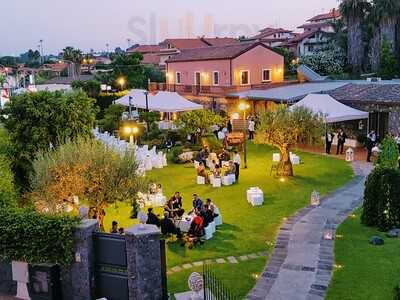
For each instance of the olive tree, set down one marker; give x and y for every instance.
(285, 127)
(85, 169)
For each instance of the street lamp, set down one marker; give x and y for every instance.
(121, 81)
(132, 130)
(244, 107)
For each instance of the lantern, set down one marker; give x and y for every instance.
(315, 198)
(329, 234)
(142, 216)
(350, 155)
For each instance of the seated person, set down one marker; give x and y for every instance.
(211, 207)
(200, 157)
(208, 215)
(217, 172)
(197, 203)
(159, 189)
(114, 227)
(224, 155)
(202, 172)
(212, 165)
(232, 169)
(168, 227)
(197, 226)
(152, 189)
(177, 204)
(152, 218)
(206, 152)
(169, 208)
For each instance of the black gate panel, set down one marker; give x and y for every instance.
(111, 275)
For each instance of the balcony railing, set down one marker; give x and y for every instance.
(206, 90)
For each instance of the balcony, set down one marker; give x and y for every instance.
(206, 90)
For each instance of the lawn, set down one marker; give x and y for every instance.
(368, 272)
(246, 229)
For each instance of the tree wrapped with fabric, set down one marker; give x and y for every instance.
(285, 127)
(41, 121)
(381, 206)
(86, 169)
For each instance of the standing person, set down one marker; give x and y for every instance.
(229, 126)
(236, 161)
(251, 128)
(371, 142)
(328, 141)
(341, 141)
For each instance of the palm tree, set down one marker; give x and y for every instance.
(74, 58)
(354, 12)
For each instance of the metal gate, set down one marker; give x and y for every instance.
(111, 275)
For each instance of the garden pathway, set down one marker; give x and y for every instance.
(303, 260)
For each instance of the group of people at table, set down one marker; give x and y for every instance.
(199, 217)
(219, 165)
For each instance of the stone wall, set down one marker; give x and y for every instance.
(7, 285)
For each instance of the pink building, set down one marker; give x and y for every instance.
(212, 73)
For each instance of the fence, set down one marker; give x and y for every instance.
(213, 287)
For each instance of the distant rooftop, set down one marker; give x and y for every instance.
(332, 14)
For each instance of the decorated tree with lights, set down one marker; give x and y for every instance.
(285, 127)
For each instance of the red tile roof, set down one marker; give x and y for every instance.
(333, 14)
(221, 41)
(270, 31)
(146, 49)
(214, 53)
(313, 25)
(302, 36)
(182, 44)
(150, 59)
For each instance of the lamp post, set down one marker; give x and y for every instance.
(130, 107)
(146, 94)
(244, 107)
(121, 81)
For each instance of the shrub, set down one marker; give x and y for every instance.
(212, 142)
(175, 154)
(389, 156)
(104, 100)
(7, 188)
(381, 206)
(34, 238)
(112, 117)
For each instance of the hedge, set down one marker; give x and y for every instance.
(104, 100)
(28, 236)
(381, 206)
(7, 188)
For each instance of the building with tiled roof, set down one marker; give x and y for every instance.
(272, 37)
(209, 74)
(144, 49)
(332, 15)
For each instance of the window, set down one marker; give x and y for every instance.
(178, 78)
(244, 77)
(266, 75)
(215, 78)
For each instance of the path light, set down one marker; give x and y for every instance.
(315, 198)
(350, 155)
(282, 179)
(329, 234)
(121, 82)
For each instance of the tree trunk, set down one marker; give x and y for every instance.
(285, 167)
(355, 44)
(388, 31)
(375, 50)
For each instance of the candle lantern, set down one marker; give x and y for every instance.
(315, 198)
(350, 155)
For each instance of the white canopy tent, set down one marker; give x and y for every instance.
(162, 101)
(333, 110)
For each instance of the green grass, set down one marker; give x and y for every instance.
(368, 272)
(226, 273)
(246, 229)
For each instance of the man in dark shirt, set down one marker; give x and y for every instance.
(168, 226)
(152, 218)
(197, 202)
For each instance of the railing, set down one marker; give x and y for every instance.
(213, 288)
(205, 90)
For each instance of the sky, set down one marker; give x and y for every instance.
(92, 24)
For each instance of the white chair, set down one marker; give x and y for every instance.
(226, 180)
(295, 160)
(213, 226)
(201, 180)
(218, 220)
(232, 178)
(208, 232)
(164, 160)
(217, 182)
(148, 163)
(211, 179)
(276, 157)
(257, 199)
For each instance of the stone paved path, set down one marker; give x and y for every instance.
(227, 260)
(301, 266)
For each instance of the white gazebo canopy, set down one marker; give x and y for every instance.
(162, 101)
(332, 110)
